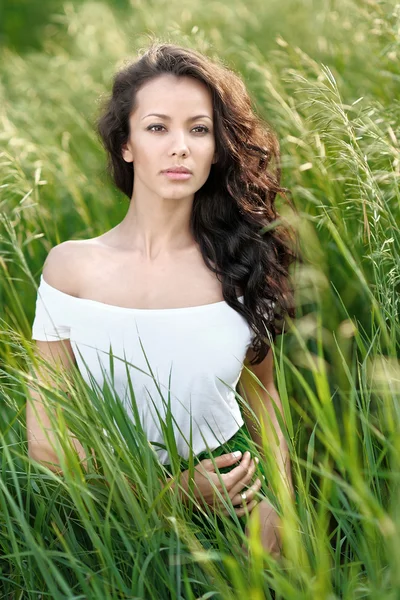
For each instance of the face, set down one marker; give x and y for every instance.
(172, 125)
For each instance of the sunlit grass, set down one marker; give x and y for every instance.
(326, 79)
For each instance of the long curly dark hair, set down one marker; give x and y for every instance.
(233, 217)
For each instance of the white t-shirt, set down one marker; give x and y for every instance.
(204, 347)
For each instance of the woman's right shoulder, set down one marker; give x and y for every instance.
(64, 267)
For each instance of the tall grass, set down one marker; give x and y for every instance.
(325, 76)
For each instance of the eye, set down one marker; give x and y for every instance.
(150, 127)
(203, 128)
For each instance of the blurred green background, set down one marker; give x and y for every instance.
(24, 24)
(325, 75)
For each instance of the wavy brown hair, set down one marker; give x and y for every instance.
(233, 219)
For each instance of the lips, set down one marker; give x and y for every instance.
(177, 170)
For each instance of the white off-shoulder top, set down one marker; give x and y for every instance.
(202, 347)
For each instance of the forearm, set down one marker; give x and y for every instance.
(46, 458)
(266, 415)
(167, 482)
(177, 484)
(42, 438)
(45, 455)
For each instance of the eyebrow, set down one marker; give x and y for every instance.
(169, 118)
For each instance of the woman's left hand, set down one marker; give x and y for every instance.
(270, 525)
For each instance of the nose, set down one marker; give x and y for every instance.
(179, 146)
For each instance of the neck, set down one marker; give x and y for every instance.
(156, 230)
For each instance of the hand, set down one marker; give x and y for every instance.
(206, 482)
(270, 527)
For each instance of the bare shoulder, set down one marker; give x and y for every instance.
(65, 266)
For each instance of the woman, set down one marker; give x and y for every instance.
(189, 271)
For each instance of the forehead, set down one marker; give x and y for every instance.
(171, 94)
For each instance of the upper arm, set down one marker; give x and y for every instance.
(62, 267)
(264, 371)
(60, 271)
(53, 314)
(56, 354)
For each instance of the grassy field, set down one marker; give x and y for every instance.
(325, 76)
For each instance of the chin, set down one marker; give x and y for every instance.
(177, 193)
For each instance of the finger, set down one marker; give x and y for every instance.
(225, 460)
(239, 473)
(250, 494)
(228, 479)
(243, 483)
(247, 508)
(243, 510)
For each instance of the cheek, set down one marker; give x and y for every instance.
(211, 149)
(145, 154)
(207, 151)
